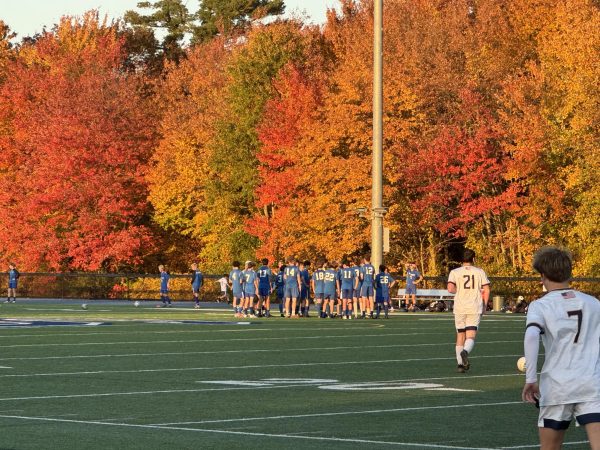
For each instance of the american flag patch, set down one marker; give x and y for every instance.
(569, 294)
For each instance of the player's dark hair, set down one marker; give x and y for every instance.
(291, 259)
(367, 258)
(468, 256)
(306, 263)
(226, 275)
(265, 261)
(382, 268)
(251, 264)
(236, 264)
(281, 268)
(554, 263)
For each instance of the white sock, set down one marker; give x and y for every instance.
(458, 350)
(469, 344)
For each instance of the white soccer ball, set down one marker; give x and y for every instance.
(521, 364)
(136, 303)
(84, 306)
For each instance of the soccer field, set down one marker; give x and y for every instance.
(145, 379)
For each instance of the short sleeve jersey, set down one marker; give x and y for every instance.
(248, 278)
(291, 276)
(356, 270)
(367, 274)
(264, 277)
(382, 282)
(305, 278)
(197, 278)
(411, 276)
(318, 277)
(279, 281)
(164, 281)
(347, 278)
(568, 321)
(236, 281)
(469, 280)
(329, 282)
(223, 283)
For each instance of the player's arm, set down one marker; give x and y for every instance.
(419, 278)
(299, 279)
(531, 345)
(451, 287)
(485, 296)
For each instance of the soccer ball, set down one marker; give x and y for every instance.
(84, 306)
(136, 303)
(521, 364)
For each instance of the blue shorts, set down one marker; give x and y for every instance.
(12, 285)
(382, 298)
(250, 294)
(319, 296)
(356, 292)
(264, 291)
(329, 296)
(237, 294)
(279, 293)
(164, 292)
(291, 292)
(303, 293)
(412, 289)
(347, 294)
(195, 289)
(366, 291)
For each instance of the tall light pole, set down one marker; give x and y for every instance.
(377, 209)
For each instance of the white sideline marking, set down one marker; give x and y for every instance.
(340, 413)
(175, 391)
(538, 445)
(219, 352)
(256, 366)
(281, 338)
(246, 433)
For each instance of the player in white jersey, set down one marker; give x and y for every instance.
(471, 287)
(568, 322)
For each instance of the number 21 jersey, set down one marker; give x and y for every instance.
(468, 281)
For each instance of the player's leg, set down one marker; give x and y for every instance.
(344, 308)
(471, 326)
(461, 335)
(196, 299)
(593, 434)
(551, 439)
(414, 301)
(293, 311)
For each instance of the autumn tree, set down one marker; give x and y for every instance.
(74, 153)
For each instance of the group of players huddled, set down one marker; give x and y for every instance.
(346, 290)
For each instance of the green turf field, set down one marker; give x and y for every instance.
(271, 384)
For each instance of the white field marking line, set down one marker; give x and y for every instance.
(280, 338)
(219, 352)
(257, 366)
(339, 413)
(247, 433)
(227, 329)
(230, 388)
(538, 445)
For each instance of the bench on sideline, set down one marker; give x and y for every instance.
(427, 295)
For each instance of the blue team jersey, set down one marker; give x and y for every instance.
(305, 278)
(356, 270)
(236, 281)
(248, 278)
(347, 278)
(330, 277)
(367, 274)
(291, 276)
(264, 277)
(411, 276)
(279, 283)
(13, 276)
(164, 281)
(197, 279)
(318, 278)
(382, 283)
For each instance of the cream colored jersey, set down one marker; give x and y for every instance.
(570, 324)
(469, 280)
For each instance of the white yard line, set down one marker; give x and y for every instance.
(538, 445)
(340, 413)
(246, 433)
(253, 366)
(218, 352)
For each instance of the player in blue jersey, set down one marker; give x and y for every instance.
(331, 287)
(367, 276)
(347, 287)
(291, 277)
(13, 280)
(280, 286)
(357, 299)
(383, 283)
(165, 282)
(250, 289)
(316, 284)
(235, 278)
(413, 277)
(265, 278)
(304, 288)
(197, 282)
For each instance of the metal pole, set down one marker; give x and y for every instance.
(377, 209)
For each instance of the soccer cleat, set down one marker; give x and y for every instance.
(464, 355)
(196, 306)
(460, 368)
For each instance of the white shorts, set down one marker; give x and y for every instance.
(464, 322)
(558, 417)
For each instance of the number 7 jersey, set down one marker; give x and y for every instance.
(469, 280)
(570, 325)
